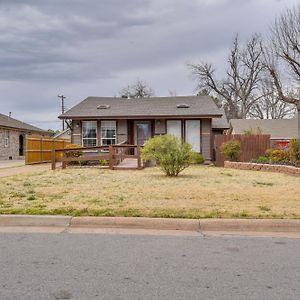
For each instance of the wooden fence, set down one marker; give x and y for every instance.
(252, 146)
(39, 148)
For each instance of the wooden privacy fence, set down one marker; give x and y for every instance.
(252, 146)
(39, 148)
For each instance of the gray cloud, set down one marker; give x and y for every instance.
(85, 47)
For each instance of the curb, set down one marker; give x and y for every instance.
(202, 225)
(27, 220)
(136, 223)
(255, 225)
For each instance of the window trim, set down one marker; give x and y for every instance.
(82, 136)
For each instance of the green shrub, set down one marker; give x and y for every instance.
(73, 153)
(262, 159)
(103, 162)
(198, 158)
(278, 155)
(172, 155)
(294, 149)
(231, 150)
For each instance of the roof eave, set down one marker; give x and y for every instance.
(141, 116)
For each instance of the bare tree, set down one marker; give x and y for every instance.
(238, 91)
(283, 58)
(139, 89)
(270, 105)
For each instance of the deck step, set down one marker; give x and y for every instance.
(127, 163)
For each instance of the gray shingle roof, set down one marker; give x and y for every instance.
(146, 107)
(220, 123)
(9, 122)
(277, 128)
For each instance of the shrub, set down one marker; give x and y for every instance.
(172, 155)
(262, 159)
(103, 162)
(73, 153)
(198, 158)
(277, 155)
(294, 148)
(231, 150)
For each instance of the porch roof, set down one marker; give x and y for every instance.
(154, 107)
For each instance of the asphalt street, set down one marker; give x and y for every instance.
(115, 266)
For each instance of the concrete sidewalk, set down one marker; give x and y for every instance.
(11, 163)
(191, 225)
(22, 169)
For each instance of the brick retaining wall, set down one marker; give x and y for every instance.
(262, 167)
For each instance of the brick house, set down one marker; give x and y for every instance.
(98, 121)
(12, 137)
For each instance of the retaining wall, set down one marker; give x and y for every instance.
(262, 167)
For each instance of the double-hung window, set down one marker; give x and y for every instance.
(6, 138)
(89, 133)
(108, 132)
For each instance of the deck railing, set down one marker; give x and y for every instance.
(113, 154)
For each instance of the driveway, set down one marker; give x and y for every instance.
(14, 168)
(11, 163)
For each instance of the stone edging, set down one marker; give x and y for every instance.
(290, 170)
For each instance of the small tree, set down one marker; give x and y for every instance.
(231, 150)
(294, 148)
(172, 155)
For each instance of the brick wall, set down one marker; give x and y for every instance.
(13, 147)
(262, 167)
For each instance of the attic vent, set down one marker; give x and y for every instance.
(182, 105)
(103, 106)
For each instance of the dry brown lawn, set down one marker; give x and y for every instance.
(201, 191)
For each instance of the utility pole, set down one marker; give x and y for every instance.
(62, 97)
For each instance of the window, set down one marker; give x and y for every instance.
(192, 134)
(6, 138)
(108, 133)
(89, 133)
(174, 128)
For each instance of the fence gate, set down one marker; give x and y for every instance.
(38, 148)
(252, 146)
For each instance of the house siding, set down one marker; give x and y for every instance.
(206, 138)
(122, 131)
(13, 147)
(160, 127)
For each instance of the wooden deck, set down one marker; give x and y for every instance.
(119, 157)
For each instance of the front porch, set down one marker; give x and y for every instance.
(118, 157)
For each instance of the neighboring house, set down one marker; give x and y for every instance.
(12, 137)
(107, 120)
(220, 125)
(281, 130)
(66, 134)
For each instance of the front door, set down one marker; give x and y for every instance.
(142, 132)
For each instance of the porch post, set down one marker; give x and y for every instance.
(139, 157)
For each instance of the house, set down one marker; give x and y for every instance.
(281, 130)
(112, 120)
(12, 137)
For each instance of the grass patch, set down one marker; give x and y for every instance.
(200, 192)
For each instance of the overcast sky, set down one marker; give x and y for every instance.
(83, 48)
